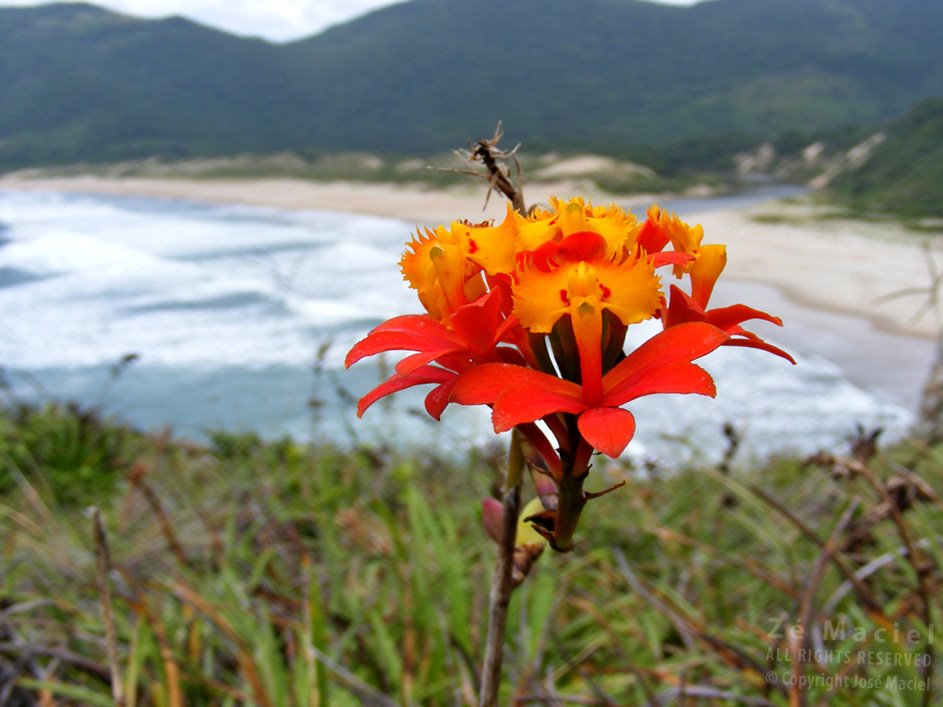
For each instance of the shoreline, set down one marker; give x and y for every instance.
(846, 267)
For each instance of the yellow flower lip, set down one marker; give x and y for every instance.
(579, 260)
(556, 259)
(629, 289)
(582, 282)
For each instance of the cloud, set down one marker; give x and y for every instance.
(274, 19)
(277, 20)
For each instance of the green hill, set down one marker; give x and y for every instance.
(904, 174)
(604, 73)
(78, 83)
(81, 83)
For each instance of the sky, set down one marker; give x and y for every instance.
(276, 20)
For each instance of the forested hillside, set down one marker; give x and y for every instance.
(78, 83)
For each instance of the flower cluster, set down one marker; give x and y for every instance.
(530, 318)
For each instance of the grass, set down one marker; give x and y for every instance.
(277, 573)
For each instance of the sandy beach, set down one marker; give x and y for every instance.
(842, 266)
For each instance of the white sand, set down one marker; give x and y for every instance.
(853, 267)
(841, 266)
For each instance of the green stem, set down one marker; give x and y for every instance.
(570, 503)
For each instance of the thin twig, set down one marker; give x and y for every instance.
(163, 519)
(502, 583)
(366, 694)
(172, 672)
(864, 596)
(590, 609)
(815, 581)
(189, 596)
(72, 659)
(705, 692)
(687, 628)
(681, 626)
(922, 566)
(932, 291)
(747, 563)
(103, 556)
(870, 568)
(560, 699)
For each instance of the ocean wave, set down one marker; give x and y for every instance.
(59, 253)
(229, 304)
(12, 277)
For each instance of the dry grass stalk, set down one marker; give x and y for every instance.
(103, 557)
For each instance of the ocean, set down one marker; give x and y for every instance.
(238, 318)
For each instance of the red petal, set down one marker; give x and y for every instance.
(682, 377)
(409, 333)
(418, 360)
(670, 258)
(477, 323)
(682, 343)
(428, 374)
(727, 317)
(754, 342)
(543, 257)
(421, 325)
(682, 308)
(651, 237)
(503, 331)
(607, 429)
(483, 384)
(438, 398)
(527, 403)
(581, 245)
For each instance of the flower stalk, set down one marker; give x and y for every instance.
(502, 584)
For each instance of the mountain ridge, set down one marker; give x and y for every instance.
(80, 83)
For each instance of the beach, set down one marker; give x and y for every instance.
(859, 268)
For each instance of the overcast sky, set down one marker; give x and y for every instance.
(277, 20)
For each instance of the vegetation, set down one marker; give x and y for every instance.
(75, 453)
(904, 174)
(85, 85)
(276, 573)
(439, 170)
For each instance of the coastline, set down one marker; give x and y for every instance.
(842, 266)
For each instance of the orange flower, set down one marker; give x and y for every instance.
(530, 317)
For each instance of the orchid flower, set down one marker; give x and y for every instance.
(530, 318)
